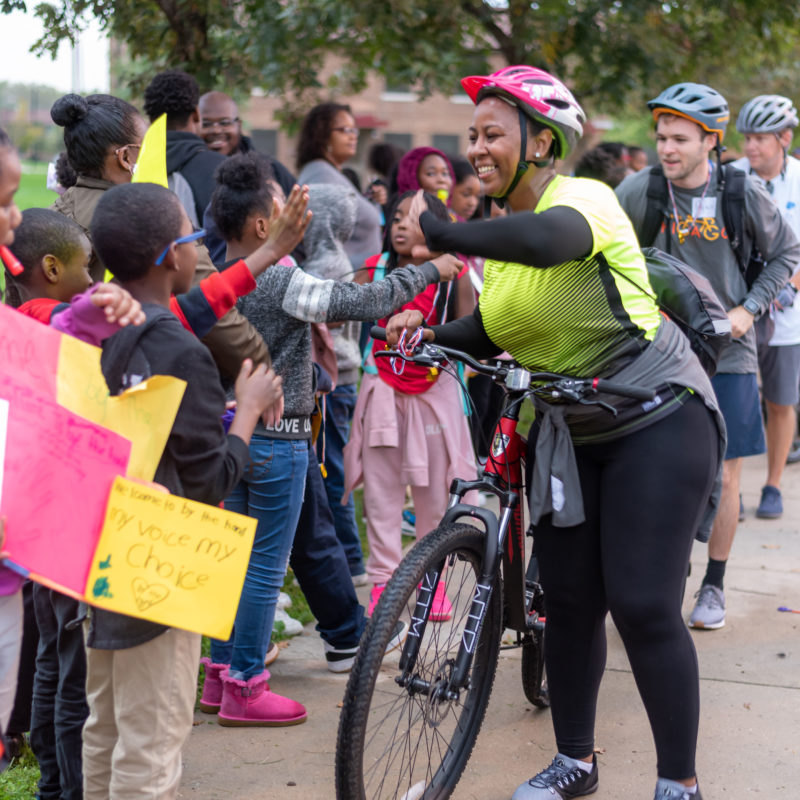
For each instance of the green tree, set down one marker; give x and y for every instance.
(609, 51)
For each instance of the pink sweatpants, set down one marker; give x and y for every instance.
(384, 490)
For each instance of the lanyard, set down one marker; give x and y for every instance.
(682, 232)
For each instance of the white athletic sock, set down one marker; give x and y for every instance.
(578, 763)
(690, 790)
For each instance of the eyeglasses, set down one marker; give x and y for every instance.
(225, 122)
(192, 237)
(348, 131)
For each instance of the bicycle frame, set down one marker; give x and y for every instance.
(504, 542)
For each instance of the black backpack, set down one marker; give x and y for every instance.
(687, 298)
(747, 255)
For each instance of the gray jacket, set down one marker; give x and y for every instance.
(706, 248)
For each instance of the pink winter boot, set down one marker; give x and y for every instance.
(212, 686)
(441, 608)
(251, 702)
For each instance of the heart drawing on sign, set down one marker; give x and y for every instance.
(147, 594)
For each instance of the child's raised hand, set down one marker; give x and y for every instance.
(118, 304)
(448, 265)
(287, 227)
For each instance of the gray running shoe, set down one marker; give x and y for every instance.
(562, 779)
(672, 790)
(709, 610)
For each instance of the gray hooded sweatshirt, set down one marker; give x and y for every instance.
(334, 208)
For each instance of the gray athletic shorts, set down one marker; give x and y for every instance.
(780, 373)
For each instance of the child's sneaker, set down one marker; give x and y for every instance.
(375, 595)
(441, 607)
(408, 523)
(672, 790)
(341, 659)
(273, 651)
(291, 626)
(562, 779)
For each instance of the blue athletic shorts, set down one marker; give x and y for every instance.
(738, 400)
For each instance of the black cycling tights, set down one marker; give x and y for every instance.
(644, 496)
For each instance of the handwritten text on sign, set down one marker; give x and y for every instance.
(170, 560)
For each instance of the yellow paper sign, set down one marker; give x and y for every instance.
(143, 414)
(170, 560)
(151, 166)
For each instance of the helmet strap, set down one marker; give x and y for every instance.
(524, 163)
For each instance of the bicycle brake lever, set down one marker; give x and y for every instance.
(600, 403)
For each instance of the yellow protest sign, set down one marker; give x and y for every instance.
(170, 560)
(143, 414)
(151, 166)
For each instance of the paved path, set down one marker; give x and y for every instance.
(750, 694)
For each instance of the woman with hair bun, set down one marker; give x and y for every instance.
(102, 135)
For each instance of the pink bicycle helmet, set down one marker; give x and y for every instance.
(539, 95)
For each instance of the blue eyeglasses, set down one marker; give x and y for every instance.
(192, 237)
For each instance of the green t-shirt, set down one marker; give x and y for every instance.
(580, 317)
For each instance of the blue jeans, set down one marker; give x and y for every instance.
(321, 568)
(339, 407)
(272, 492)
(59, 696)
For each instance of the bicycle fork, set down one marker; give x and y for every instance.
(495, 535)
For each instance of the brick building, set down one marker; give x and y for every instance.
(382, 113)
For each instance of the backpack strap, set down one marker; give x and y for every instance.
(657, 209)
(378, 275)
(733, 208)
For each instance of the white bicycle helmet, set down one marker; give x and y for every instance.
(767, 113)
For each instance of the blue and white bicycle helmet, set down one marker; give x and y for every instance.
(696, 102)
(767, 113)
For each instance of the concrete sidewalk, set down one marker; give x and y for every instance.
(750, 694)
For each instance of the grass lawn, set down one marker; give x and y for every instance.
(19, 781)
(33, 191)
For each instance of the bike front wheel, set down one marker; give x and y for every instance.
(394, 740)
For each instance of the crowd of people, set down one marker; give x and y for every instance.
(257, 287)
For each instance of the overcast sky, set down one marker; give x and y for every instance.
(18, 31)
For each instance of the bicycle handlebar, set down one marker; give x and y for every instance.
(432, 354)
(376, 332)
(624, 390)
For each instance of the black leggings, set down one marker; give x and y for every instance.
(644, 496)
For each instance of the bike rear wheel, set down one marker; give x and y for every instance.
(395, 742)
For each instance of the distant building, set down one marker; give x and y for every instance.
(382, 113)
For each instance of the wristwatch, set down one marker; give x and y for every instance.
(751, 306)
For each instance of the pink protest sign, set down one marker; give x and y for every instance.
(29, 351)
(58, 473)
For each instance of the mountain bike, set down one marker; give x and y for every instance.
(407, 728)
